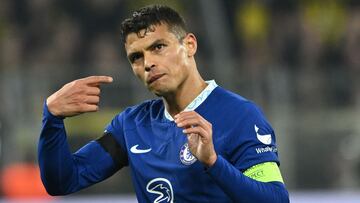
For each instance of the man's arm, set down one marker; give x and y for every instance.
(238, 186)
(61, 171)
(242, 188)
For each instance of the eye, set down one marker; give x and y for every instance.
(159, 47)
(134, 57)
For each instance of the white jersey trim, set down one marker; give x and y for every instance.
(198, 100)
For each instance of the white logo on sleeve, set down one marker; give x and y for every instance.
(162, 188)
(265, 139)
(135, 150)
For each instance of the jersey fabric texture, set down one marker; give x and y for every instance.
(162, 166)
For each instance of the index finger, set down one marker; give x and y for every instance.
(187, 113)
(97, 79)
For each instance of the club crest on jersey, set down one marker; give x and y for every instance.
(186, 156)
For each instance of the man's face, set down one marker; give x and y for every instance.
(158, 59)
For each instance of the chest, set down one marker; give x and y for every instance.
(162, 164)
(160, 146)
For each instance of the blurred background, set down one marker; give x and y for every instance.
(297, 59)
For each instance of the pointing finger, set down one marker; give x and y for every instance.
(184, 114)
(196, 130)
(96, 80)
(190, 122)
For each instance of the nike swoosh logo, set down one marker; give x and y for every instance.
(135, 150)
(265, 139)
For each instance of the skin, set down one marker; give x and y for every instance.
(167, 68)
(78, 96)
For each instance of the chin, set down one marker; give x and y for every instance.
(160, 92)
(161, 89)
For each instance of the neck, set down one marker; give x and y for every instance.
(185, 94)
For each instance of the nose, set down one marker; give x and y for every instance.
(148, 63)
(148, 68)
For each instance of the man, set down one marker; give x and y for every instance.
(197, 143)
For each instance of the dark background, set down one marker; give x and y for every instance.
(298, 60)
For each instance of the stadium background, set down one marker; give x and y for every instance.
(299, 60)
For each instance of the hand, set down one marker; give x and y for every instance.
(78, 96)
(199, 134)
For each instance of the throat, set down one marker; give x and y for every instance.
(178, 102)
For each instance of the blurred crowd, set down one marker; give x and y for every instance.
(303, 53)
(316, 42)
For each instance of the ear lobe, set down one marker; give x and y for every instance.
(190, 44)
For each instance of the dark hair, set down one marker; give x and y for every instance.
(147, 17)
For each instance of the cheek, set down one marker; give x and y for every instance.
(138, 73)
(179, 58)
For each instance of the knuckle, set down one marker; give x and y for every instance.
(80, 107)
(79, 99)
(67, 85)
(80, 90)
(78, 103)
(76, 82)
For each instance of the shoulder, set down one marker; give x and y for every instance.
(234, 104)
(146, 107)
(136, 115)
(244, 131)
(146, 111)
(232, 113)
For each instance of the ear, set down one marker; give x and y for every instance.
(190, 43)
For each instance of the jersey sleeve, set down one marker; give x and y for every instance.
(252, 140)
(63, 172)
(116, 129)
(250, 143)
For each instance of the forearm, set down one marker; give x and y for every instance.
(55, 159)
(63, 172)
(241, 188)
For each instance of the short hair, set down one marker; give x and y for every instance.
(151, 15)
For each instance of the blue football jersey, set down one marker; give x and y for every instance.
(162, 166)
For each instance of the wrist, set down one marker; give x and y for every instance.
(49, 115)
(51, 109)
(211, 161)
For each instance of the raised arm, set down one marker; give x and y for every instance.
(61, 171)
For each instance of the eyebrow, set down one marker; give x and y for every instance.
(151, 46)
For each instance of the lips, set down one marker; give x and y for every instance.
(153, 78)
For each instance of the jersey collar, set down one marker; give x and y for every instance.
(198, 100)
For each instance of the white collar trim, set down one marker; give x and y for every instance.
(198, 100)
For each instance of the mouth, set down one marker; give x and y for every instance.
(153, 78)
